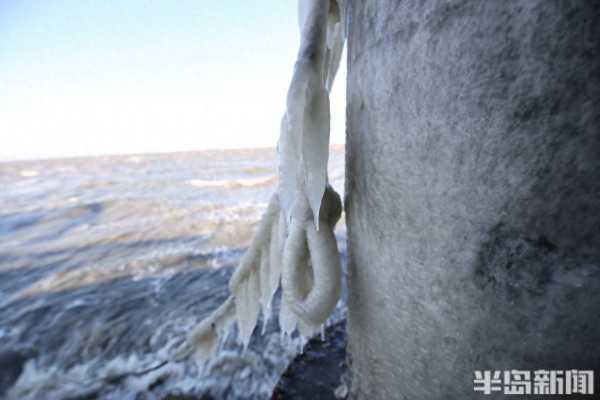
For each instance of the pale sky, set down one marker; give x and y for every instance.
(85, 77)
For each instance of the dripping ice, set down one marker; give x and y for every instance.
(294, 247)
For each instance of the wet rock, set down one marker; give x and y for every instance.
(317, 372)
(472, 192)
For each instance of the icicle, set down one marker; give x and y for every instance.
(247, 295)
(204, 339)
(294, 245)
(287, 320)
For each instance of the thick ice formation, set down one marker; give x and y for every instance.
(304, 140)
(295, 243)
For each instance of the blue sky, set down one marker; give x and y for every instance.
(82, 77)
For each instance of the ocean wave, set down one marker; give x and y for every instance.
(29, 173)
(256, 170)
(105, 261)
(234, 183)
(233, 374)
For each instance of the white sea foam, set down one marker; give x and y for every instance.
(29, 173)
(231, 374)
(233, 183)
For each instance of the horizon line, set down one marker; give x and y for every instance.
(138, 154)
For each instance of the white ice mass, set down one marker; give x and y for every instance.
(295, 244)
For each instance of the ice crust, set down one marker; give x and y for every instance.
(294, 244)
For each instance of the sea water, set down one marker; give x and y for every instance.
(107, 262)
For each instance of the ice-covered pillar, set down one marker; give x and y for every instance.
(473, 192)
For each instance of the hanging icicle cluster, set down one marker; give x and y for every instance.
(295, 244)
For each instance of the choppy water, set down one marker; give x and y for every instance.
(106, 262)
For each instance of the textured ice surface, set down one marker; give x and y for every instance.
(304, 139)
(290, 242)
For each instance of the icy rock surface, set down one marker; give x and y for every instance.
(473, 192)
